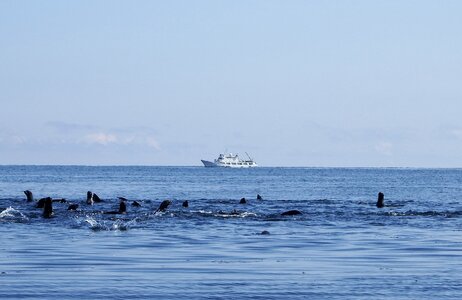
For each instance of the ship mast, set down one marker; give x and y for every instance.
(250, 158)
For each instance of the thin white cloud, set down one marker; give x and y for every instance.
(125, 139)
(100, 138)
(62, 134)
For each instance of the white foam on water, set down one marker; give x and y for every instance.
(12, 214)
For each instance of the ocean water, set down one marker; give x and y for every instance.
(341, 246)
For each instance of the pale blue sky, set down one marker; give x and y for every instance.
(294, 83)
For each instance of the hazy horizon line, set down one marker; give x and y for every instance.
(259, 167)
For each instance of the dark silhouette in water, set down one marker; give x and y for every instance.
(293, 212)
(134, 203)
(122, 209)
(259, 197)
(41, 202)
(89, 198)
(96, 199)
(29, 195)
(92, 198)
(48, 208)
(265, 232)
(243, 201)
(185, 203)
(163, 206)
(73, 207)
(62, 200)
(379, 203)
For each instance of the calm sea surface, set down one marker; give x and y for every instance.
(341, 247)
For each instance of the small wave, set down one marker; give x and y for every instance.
(117, 225)
(235, 214)
(412, 213)
(11, 214)
(92, 222)
(248, 214)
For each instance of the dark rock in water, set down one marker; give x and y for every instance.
(122, 198)
(379, 203)
(293, 212)
(163, 206)
(62, 200)
(48, 208)
(265, 232)
(185, 203)
(73, 207)
(259, 197)
(243, 201)
(29, 195)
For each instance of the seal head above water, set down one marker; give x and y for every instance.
(379, 203)
(164, 205)
(29, 195)
(122, 209)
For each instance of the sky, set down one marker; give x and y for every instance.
(293, 83)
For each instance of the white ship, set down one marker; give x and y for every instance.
(230, 161)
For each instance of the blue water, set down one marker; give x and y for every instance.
(341, 247)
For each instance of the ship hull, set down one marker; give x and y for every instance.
(209, 164)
